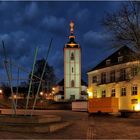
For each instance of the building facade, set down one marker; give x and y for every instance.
(117, 76)
(72, 67)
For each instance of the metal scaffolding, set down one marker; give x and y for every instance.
(8, 64)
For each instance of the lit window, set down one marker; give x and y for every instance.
(113, 92)
(134, 90)
(108, 62)
(95, 93)
(94, 79)
(120, 58)
(103, 93)
(72, 83)
(123, 91)
(72, 56)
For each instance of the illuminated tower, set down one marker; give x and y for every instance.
(72, 67)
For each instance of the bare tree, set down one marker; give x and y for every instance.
(124, 24)
(49, 76)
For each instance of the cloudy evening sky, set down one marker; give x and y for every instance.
(27, 25)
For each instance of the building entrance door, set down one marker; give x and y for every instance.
(72, 97)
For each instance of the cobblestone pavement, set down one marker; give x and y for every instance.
(85, 127)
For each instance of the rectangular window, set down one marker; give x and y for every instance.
(134, 101)
(122, 74)
(113, 92)
(112, 76)
(94, 79)
(62, 97)
(72, 56)
(120, 59)
(72, 83)
(103, 93)
(72, 70)
(134, 71)
(108, 62)
(103, 77)
(95, 93)
(134, 90)
(123, 91)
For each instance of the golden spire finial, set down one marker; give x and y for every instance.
(71, 27)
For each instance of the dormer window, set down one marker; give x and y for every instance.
(108, 62)
(72, 56)
(120, 58)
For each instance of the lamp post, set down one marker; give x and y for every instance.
(90, 94)
(53, 91)
(1, 91)
(137, 107)
(41, 93)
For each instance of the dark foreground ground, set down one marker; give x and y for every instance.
(85, 127)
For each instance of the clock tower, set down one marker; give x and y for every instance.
(72, 67)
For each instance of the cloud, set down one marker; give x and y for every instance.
(25, 25)
(18, 49)
(28, 14)
(54, 24)
(74, 8)
(95, 39)
(83, 14)
(78, 13)
(32, 10)
(16, 45)
(3, 5)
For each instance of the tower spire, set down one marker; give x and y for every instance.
(72, 43)
(71, 27)
(71, 36)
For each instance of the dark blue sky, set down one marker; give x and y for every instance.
(26, 25)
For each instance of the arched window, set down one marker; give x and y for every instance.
(72, 83)
(72, 69)
(72, 56)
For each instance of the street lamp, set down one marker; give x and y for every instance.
(41, 93)
(90, 94)
(53, 90)
(0, 91)
(137, 107)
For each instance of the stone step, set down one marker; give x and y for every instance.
(35, 128)
(21, 119)
(53, 127)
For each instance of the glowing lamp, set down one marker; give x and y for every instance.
(90, 94)
(0, 90)
(137, 107)
(41, 93)
(14, 96)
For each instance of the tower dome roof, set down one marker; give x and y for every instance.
(72, 43)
